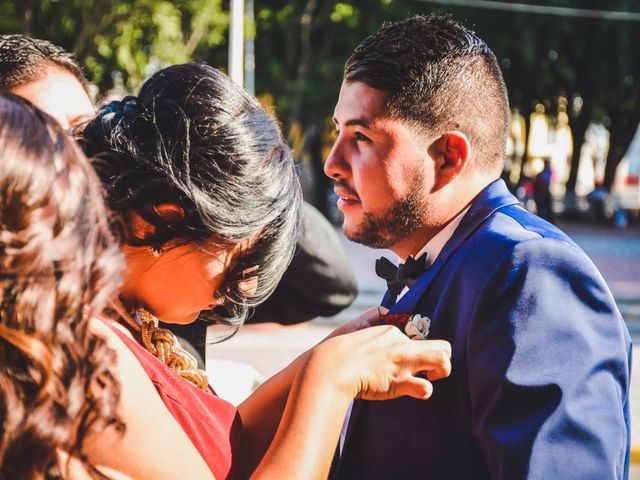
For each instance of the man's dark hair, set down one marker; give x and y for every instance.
(439, 76)
(24, 59)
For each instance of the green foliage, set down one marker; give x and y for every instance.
(343, 12)
(133, 37)
(301, 47)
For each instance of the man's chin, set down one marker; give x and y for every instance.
(366, 234)
(351, 227)
(350, 234)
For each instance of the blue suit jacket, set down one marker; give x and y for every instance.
(541, 363)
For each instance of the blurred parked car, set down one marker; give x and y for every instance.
(626, 186)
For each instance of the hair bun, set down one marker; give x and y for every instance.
(127, 108)
(111, 118)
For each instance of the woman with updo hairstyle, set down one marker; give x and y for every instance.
(59, 264)
(206, 203)
(193, 160)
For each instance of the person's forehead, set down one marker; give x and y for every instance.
(360, 101)
(60, 94)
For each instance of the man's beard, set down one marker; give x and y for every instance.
(403, 217)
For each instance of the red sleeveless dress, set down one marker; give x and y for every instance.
(212, 424)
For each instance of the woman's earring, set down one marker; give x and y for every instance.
(155, 251)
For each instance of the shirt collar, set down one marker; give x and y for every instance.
(434, 246)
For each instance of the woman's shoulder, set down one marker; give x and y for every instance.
(106, 327)
(153, 444)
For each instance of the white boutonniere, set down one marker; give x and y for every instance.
(417, 327)
(414, 326)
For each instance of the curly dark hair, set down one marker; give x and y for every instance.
(59, 264)
(195, 139)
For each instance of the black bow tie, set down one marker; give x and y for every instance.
(404, 275)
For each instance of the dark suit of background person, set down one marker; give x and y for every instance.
(540, 365)
(319, 282)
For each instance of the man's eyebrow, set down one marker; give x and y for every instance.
(355, 121)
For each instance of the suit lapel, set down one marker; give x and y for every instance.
(492, 198)
(388, 300)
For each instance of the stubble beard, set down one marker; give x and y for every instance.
(402, 218)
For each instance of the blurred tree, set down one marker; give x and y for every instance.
(301, 47)
(132, 37)
(591, 61)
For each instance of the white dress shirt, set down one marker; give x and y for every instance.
(434, 246)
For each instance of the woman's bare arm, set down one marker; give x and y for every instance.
(378, 363)
(259, 428)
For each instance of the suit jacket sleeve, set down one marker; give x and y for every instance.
(319, 281)
(548, 361)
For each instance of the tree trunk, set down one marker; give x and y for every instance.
(26, 16)
(578, 130)
(622, 129)
(306, 55)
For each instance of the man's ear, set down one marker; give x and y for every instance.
(451, 152)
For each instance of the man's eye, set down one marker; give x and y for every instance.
(361, 138)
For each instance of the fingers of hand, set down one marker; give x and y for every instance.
(368, 318)
(417, 387)
(431, 356)
(385, 362)
(371, 317)
(407, 385)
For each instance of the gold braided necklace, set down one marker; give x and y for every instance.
(164, 345)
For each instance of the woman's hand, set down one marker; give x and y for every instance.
(381, 363)
(368, 318)
(376, 363)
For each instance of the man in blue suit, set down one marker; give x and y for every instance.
(541, 356)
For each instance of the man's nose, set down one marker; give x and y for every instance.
(336, 166)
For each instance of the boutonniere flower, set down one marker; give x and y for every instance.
(415, 326)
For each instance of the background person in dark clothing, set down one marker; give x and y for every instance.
(542, 193)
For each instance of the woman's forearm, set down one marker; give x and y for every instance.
(378, 363)
(308, 433)
(262, 411)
